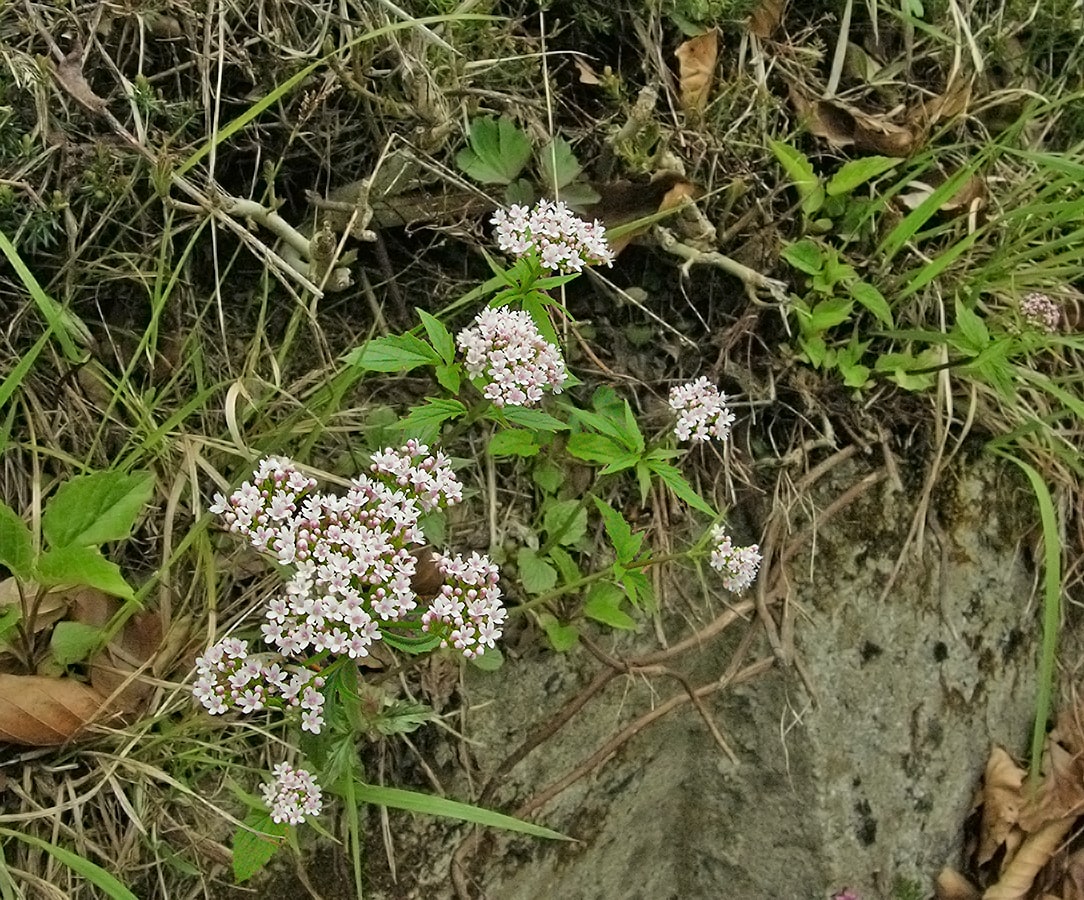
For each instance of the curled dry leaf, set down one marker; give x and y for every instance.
(1019, 875)
(971, 196)
(43, 712)
(766, 18)
(696, 69)
(1002, 799)
(623, 202)
(951, 885)
(1061, 794)
(587, 74)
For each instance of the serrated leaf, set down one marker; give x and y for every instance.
(561, 637)
(91, 509)
(536, 575)
(251, 852)
(603, 604)
(858, 172)
(72, 642)
(673, 479)
(424, 422)
(497, 151)
(393, 353)
(449, 377)
(800, 170)
(596, 448)
(533, 419)
(626, 544)
(82, 565)
(806, 256)
(971, 327)
(566, 565)
(16, 544)
(829, 313)
(513, 442)
(558, 164)
(439, 336)
(565, 521)
(873, 300)
(548, 475)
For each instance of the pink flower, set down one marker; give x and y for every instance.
(293, 795)
(560, 240)
(702, 411)
(739, 565)
(1041, 312)
(467, 612)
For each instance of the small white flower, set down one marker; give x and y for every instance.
(702, 411)
(738, 565)
(561, 240)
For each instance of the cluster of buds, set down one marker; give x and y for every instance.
(559, 239)
(505, 349)
(1041, 312)
(702, 411)
(738, 565)
(293, 795)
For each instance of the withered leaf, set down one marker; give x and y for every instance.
(1002, 800)
(951, 885)
(696, 69)
(766, 18)
(43, 712)
(1019, 875)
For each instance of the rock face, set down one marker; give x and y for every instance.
(866, 785)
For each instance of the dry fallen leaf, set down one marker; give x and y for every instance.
(1061, 794)
(766, 18)
(625, 201)
(951, 885)
(696, 69)
(1002, 799)
(1019, 875)
(43, 712)
(587, 74)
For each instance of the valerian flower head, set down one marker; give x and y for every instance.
(560, 240)
(738, 565)
(702, 411)
(1041, 312)
(505, 349)
(467, 612)
(293, 796)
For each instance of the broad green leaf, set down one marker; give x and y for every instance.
(16, 544)
(566, 565)
(565, 521)
(439, 336)
(424, 422)
(558, 164)
(548, 475)
(533, 419)
(72, 641)
(561, 637)
(251, 852)
(595, 448)
(536, 575)
(490, 661)
(858, 172)
(92, 872)
(449, 377)
(91, 509)
(829, 313)
(972, 328)
(9, 618)
(82, 565)
(413, 801)
(873, 300)
(800, 170)
(626, 544)
(513, 442)
(673, 479)
(496, 153)
(394, 353)
(621, 464)
(603, 604)
(579, 194)
(806, 256)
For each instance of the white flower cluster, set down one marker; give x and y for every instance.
(469, 604)
(505, 348)
(227, 677)
(562, 241)
(1041, 312)
(293, 795)
(738, 565)
(702, 411)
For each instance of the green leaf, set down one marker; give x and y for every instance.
(565, 521)
(674, 480)
(603, 604)
(413, 801)
(449, 378)
(621, 464)
(858, 172)
(424, 422)
(561, 637)
(566, 565)
(536, 575)
(496, 153)
(534, 419)
(489, 661)
(409, 644)
(251, 852)
(9, 618)
(82, 565)
(595, 448)
(873, 300)
(800, 170)
(548, 475)
(626, 544)
(806, 256)
(972, 328)
(439, 336)
(91, 509)
(16, 544)
(92, 872)
(394, 353)
(514, 442)
(558, 165)
(72, 641)
(829, 313)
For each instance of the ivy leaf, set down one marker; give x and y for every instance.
(16, 544)
(251, 851)
(536, 575)
(393, 353)
(82, 565)
(91, 509)
(496, 153)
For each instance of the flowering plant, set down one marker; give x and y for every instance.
(352, 563)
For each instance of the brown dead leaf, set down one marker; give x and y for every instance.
(114, 672)
(43, 712)
(587, 74)
(1019, 875)
(766, 18)
(951, 885)
(622, 202)
(1002, 799)
(696, 69)
(953, 102)
(970, 198)
(69, 75)
(846, 126)
(1061, 794)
